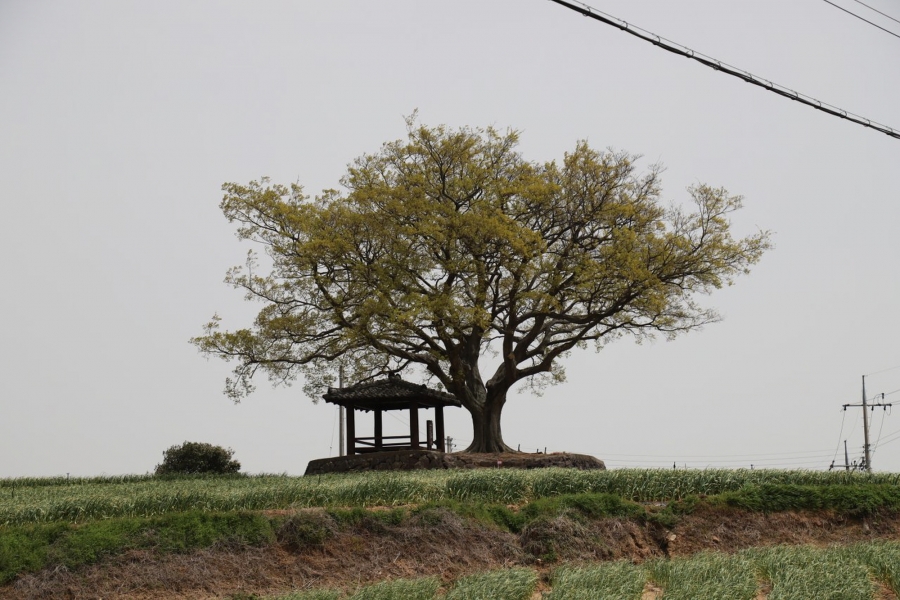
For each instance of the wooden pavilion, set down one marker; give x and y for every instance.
(392, 394)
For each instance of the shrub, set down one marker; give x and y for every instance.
(194, 457)
(306, 530)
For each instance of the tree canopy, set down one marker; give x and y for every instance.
(448, 249)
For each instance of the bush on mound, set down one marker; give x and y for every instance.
(194, 457)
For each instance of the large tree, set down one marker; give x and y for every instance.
(448, 251)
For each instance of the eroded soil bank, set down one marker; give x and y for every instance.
(439, 543)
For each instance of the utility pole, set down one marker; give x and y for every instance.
(846, 464)
(846, 457)
(867, 450)
(341, 446)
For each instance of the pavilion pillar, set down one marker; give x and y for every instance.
(379, 438)
(439, 427)
(351, 431)
(413, 425)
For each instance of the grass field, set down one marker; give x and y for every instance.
(54, 523)
(79, 500)
(778, 573)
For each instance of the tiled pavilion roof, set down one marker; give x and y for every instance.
(389, 394)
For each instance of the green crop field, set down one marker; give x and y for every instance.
(78, 500)
(777, 573)
(52, 523)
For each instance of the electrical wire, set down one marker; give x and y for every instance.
(735, 464)
(676, 48)
(680, 459)
(891, 441)
(878, 11)
(838, 448)
(882, 371)
(883, 415)
(705, 456)
(855, 424)
(891, 437)
(861, 18)
(333, 425)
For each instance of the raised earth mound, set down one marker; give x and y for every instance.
(408, 460)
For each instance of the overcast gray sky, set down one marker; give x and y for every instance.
(119, 122)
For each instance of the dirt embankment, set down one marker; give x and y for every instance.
(435, 543)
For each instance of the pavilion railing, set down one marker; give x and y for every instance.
(404, 442)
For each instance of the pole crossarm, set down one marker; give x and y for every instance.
(867, 447)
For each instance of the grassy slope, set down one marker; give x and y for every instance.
(52, 523)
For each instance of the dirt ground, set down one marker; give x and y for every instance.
(448, 548)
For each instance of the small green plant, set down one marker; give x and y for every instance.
(619, 579)
(311, 595)
(400, 589)
(553, 538)
(808, 573)
(882, 558)
(195, 457)
(705, 575)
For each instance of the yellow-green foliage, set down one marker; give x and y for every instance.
(441, 244)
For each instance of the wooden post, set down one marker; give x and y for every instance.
(429, 433)
(351, 432)
(379, 439)
(439, 425)
(342, 445)
(413, 425)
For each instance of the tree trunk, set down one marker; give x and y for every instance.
(486, 436)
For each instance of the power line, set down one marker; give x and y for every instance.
(678, 458)
(883, 370)
(675, 48)
(334, 422)
(891, 437)
(890, 441)
(836, 450)
(880, 428)
(705, 456)
(878, 11)
(861, 18)
(706, 464)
